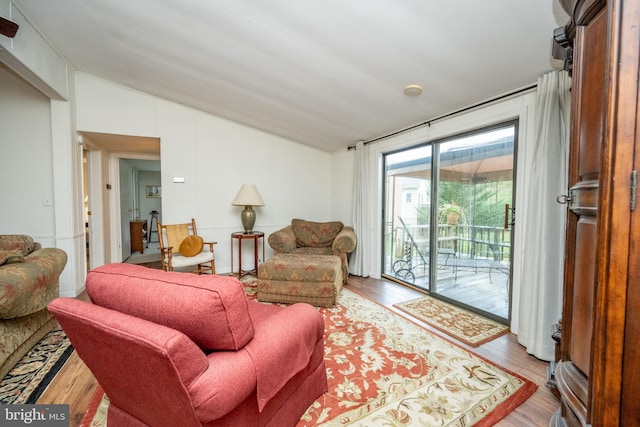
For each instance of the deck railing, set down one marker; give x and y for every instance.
(465, 241)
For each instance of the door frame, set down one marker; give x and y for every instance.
(95, 206)
(114, 197)
(433, 237)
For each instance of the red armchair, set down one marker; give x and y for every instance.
(175, 349)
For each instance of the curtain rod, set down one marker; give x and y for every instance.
(462, 110)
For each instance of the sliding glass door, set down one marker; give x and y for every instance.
(448, 218)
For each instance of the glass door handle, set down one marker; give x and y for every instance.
(508, 223)
(506, 216)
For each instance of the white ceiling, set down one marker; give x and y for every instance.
(325, 73)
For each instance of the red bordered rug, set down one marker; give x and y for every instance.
(468, 327)
(386, 370)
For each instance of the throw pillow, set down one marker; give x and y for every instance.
(315, 234)
(18, 242)
(191, 246)
(9, 257)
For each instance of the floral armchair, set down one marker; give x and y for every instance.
(29, 280)
(316, 238)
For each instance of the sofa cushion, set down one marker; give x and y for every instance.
(191, 246)
(9, 257)
(315, 234)
(301, 267)
(18, 242)
(211, 310)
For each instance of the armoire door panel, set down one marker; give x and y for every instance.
(587, 136)
(592, 88)
(583, 294)
(598, 376)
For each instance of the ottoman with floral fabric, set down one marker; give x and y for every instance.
(292, 278)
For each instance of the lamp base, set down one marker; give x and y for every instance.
(248, 218)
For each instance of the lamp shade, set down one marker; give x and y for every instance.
(248, 196)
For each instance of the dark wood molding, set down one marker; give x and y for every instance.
(574, 387)
(581, 13)
(563, 48)
(584, 11)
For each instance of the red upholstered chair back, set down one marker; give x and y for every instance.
(144, 368)
(176, 349)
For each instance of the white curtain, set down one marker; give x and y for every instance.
(360, 260)
(543, 219)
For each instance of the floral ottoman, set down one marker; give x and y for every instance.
(291, 278)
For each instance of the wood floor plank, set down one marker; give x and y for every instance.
(75, 385)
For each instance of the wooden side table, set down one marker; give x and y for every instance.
(240, 236)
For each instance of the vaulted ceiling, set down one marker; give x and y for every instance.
(325, 73)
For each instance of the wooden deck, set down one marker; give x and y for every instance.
(482, 286)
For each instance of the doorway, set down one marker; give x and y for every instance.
(449, 218)
(140, 201)
(102, 189)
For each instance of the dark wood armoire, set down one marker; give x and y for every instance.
(598, 375)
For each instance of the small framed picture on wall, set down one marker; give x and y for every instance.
(154, 191)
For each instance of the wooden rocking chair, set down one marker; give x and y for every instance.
(181, 247)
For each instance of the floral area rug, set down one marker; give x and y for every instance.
(384, 370)
(33, 373)
(468, 327)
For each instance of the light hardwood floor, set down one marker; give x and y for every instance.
(75, 384)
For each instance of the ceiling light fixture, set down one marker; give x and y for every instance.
(413, 90)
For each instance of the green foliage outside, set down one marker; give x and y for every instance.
(483, 201)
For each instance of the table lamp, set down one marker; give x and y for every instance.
(248, 197)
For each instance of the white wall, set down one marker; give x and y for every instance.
(26, 169)
(342, 185)
(215, 157)
(39, 183)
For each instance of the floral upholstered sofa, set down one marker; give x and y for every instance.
(29, 280)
